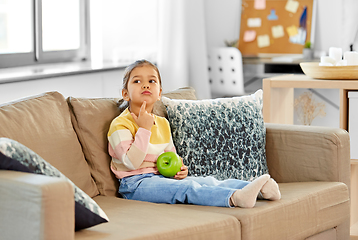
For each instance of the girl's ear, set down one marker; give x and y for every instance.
(125, 95)
(160, 95)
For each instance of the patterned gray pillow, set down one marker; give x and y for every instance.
(87, 211)
(224, 137)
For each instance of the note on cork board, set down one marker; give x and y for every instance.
(276, 27)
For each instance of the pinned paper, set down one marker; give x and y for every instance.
(300, 37)
(260, 4)
(292, 6)
(277, 31)
(272, 15)
(263, 41)
(249, 35)
(292, 30)
(254, 22)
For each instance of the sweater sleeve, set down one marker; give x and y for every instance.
(128, 150)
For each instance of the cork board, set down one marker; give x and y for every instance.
(271, 27)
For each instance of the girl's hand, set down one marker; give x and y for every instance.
(144, 119)
(182, 174)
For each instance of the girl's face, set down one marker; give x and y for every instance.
(143, 85)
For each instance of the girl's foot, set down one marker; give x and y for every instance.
(271, 190)
(246, 197)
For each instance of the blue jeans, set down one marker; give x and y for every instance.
(205, 191)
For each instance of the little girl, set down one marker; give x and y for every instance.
(136, 139)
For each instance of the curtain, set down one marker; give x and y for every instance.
(182, 51)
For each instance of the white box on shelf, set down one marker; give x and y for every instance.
(353, 122)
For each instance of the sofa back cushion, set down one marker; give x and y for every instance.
(43, 124)
(91, 119)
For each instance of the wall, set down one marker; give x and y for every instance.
(222, 21)
(129, 29)
(123, 28)
(134, 24)
(91, 85)
(329, 22)
(336, 22)
(350, 23)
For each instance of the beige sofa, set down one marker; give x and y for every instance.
(311, 165)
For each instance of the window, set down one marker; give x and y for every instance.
(42, 31)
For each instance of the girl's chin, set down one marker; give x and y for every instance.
(148, 101)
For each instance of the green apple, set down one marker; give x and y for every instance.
(168, 164)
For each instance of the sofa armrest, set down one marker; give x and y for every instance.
(35, 206)
(301, 153)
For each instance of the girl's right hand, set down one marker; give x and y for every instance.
(144, 119)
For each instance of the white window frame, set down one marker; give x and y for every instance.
(38, 56)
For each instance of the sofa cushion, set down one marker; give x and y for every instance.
(143, 220)
(224, 138)
(15, 156)
(181, 93)
(43, 124)
(305, 209)
(91, 118)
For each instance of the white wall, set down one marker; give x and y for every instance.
(329, 25)
(120, 25)
(129, 29)
(89, 85)
(335, 22)
(222, 21)
(350, 23)
(132, 25)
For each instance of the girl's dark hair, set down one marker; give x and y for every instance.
(122, 104)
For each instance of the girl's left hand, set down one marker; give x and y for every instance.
(182, 174)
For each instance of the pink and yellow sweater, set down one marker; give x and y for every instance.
(135, 150)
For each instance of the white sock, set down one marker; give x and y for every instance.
(246, 197)
(270, 190)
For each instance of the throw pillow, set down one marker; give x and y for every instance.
(43, 124)
(15, 156)
(7, 163)
(223, 137)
